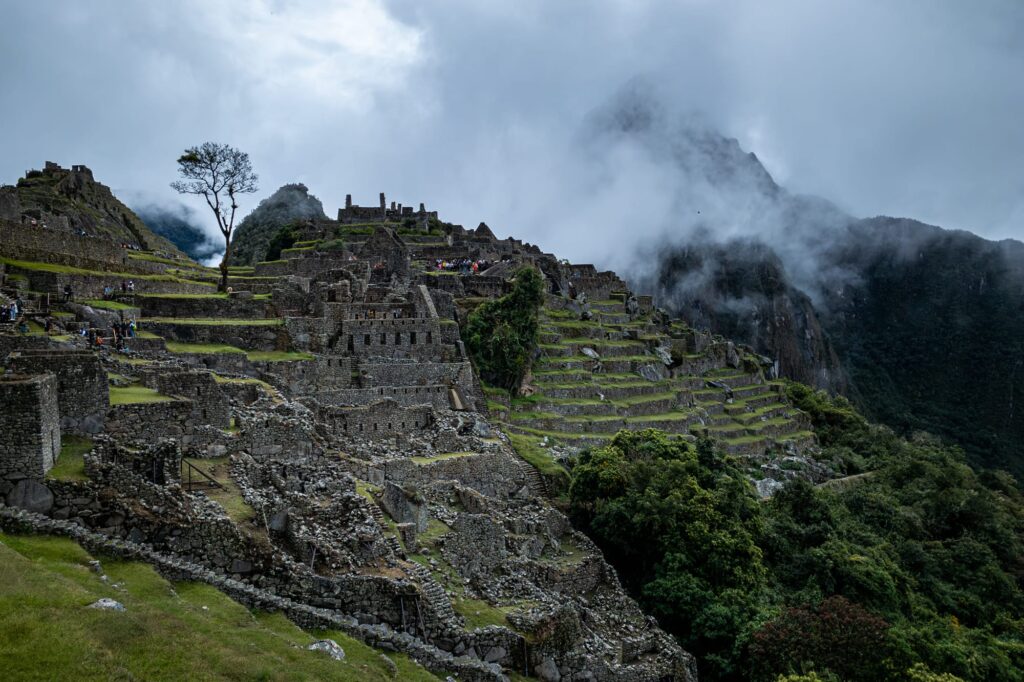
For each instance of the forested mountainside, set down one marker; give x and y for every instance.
(920, 326)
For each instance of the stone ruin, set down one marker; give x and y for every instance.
(319, 443)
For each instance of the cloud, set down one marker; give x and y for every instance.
(485, 110)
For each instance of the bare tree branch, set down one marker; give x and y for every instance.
(208, 171)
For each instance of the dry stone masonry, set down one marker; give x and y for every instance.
(317, 442)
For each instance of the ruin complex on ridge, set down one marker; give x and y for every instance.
(316, 440)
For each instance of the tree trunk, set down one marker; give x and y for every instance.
(224, 264)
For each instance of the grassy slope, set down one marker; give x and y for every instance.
(169, 632)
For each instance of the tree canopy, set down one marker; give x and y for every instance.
(912, 571)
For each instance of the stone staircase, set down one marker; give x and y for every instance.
(435, 598)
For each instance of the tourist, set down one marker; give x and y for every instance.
(68, 293)
(131, 328)
(131, 286)
(124, 287)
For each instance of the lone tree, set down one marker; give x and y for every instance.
(218, 173)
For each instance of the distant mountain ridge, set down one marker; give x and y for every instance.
(923, 327)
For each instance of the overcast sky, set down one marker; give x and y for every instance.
(885, 107)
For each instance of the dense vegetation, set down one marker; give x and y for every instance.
(932, 335)
(909, 571)
(501, 333)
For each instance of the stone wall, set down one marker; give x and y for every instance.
(380, 419)
(29, 424)
(209, 405)
(398, 338)
(493, 474)
(235, 307)
(245, 336)
(82, 389)
(22, 241)
(406, 396)
(147, 421)
(92, 285)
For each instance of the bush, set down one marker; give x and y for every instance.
(502, 333)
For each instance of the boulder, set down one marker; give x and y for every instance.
(107, 604)
(591, 353)
(547, 671)
(329, 647)
(31, 496)
(481, 429)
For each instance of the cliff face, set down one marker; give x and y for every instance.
(72, 200)
(923, 327)
(287, 205)
(741, 290)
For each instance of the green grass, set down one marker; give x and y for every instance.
(442, 456)
(143, 334)
(201, 348)
(183, 631)
(184, 296)
(216, 321)
(69, 270)
(70, 465)
(278, 356)
(135, 394)
(528, 447)
(108, 305)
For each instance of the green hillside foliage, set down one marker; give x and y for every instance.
(912, 570)
(501, 334)
(933, 334)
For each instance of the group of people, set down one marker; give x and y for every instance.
(463, 266)
(127, 287)
(119, 333)
(9, 311)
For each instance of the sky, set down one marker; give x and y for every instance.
(484, 110)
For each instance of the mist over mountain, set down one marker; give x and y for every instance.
(180, 225)
(253, 234)
(922, 327)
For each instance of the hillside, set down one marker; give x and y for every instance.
(920, 326)
(73, 201)
(168, 631)
(502, 465)
(287, 205)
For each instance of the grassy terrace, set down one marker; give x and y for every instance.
(70, 465)
(136, 394)
(442, 456)
(108, 305)
(185, 296)
(252, 355)
(69, 270)
(215, 321)
(170, 631)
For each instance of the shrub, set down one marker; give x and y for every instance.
(502, 333)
